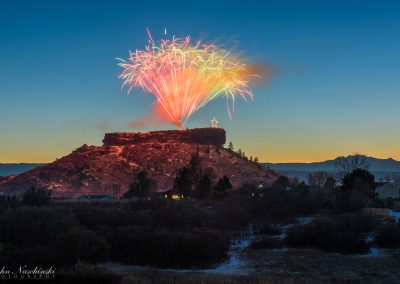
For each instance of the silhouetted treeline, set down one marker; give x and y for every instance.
(159, 233)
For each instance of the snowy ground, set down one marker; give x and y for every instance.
(395, 214)
(374, 251)
(235, 263)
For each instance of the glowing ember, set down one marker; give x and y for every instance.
(184, 76)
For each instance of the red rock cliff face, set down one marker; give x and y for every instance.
(109, 169)
(202, 136)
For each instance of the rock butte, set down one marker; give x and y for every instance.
(110, 168)
(201, 136)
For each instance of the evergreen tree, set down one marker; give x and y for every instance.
(223, 186)
(140, 187)
(230, 147)
(195, 169)
(281, 183)
(36, 197)
(359, 180)
(204, 187)
(183, 182)
(240, 152)
(256, 160)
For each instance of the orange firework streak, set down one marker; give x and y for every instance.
(183, 77)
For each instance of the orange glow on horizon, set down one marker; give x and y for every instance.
(306, 156)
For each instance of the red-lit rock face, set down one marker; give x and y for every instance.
(203, 136)
(109, 169)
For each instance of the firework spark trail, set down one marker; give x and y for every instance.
(184, 77)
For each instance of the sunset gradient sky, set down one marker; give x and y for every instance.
(336, 90)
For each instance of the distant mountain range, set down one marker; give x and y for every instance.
(14, 169)
(379, 167)
(375, 164)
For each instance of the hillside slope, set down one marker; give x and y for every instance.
(109, 169)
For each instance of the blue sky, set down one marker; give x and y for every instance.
(336, 90)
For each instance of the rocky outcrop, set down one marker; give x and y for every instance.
(109, 169)
(203, 136)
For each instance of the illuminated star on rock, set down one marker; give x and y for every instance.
(214, 123)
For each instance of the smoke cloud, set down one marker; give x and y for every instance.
(264, 71)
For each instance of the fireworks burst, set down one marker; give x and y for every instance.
(184, 76)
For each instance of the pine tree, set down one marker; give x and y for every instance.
(183, 182)
(140, 186)
(36, 197)
(204, 187)
(195, 169)
(222, 187)
(230, 147)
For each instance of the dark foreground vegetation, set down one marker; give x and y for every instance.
(343, 233)
(160, 233)
(194, 232)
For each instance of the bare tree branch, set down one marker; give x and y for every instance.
(346, 165)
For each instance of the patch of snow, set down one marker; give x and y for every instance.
(395, 214)
(304, 220)
(374, 252)
(235, 264)
(282, 235)
(370, 238)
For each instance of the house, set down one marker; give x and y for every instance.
(389, 193)
(170, 194)
(259, 191)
